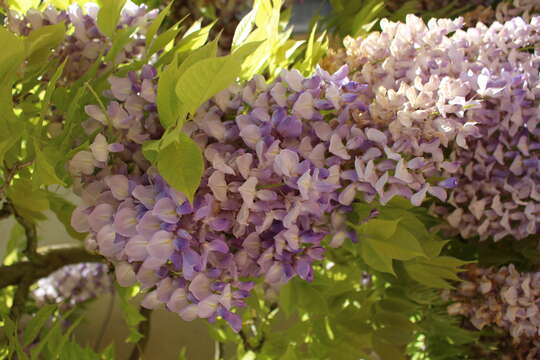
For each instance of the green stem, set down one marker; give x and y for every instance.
(144, 329)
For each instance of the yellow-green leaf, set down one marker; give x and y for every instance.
(181, 164)
(108, 16)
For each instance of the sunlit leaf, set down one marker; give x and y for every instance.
(108, 16)
(181, 165)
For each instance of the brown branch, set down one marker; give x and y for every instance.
(20, 297)
(144, 329)
(5, 211)
(50, 262)
(30, 251)
(11, 172)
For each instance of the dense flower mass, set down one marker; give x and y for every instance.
(502, 298)
(74, 284)
(283, 160)
(450, 82)
(84, 42)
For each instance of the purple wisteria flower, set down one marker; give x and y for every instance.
(74, 284)
(284, 162)
(504, 298)
(84, 42)
(475, 93)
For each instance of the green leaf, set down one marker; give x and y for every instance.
(290, 354)
(6, 145)
(164, 39)
(37, 322)
(288, 298)
(181, 164)
(64, 338)
(15, 244)
(23, 6)
(154, 27)
(387, 351)
(13, 54)
(243, 29)
(207, 51)
(378, 229)
(167, 101)
(44, 173)
(42, 40)
(60, 4)
(207, 77)
(193, 39)
(376, 260)
(108, 16)
(263, 12)
(63, 210)
(25, 197)
(195, 36)
(400, 202)
(122, 38)
(131, 313)
(150, 150)
(402, 245)
(435, 272)
(51, 86)
(310, 298)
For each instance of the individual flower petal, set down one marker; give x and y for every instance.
(304, 107)
(120, 87)
(124, 274)
(136, 248)
(165, 210)
(337, 148)
(248, 190)
(82, 163)
(217, 184)
(100, 148)
(119, 186)
(100, 216)
(286, 163)
(125, 221)
(161, 245)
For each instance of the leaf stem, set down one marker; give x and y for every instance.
(30, 251)
(219, 352)
(144, 329)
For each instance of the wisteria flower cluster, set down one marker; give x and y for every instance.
(73, 284)
(85, 43)
(453, 82)
(504, 298)
(284, 160)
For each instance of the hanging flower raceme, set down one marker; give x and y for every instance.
(74, 284)
(503, 298)
(85, 42)
(448, 83)
(283, 161)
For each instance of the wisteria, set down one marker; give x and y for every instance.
(73, 284)
(342, 200)
(86, 43)
(283, 161)
(479, 82)
(504, 298)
